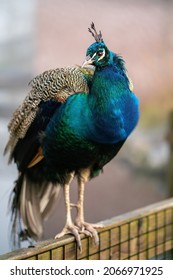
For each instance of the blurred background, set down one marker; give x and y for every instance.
(38, 35)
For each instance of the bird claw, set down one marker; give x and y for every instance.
(92, 231)
(80, 227)
(70, 229)
(86, 232)
(89, 230)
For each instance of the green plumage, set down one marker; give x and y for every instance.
(56, 84)
(52, 141)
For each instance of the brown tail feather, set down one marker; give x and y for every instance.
(32, 203)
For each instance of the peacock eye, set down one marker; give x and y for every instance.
(99, 53)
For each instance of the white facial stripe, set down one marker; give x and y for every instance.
(93, 55)
(102, 55)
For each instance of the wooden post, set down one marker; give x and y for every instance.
(170, 162)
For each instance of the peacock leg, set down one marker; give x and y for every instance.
(86, 228)
(69, 227)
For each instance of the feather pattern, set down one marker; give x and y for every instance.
(57, 84)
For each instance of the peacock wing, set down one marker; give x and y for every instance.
(57, 84)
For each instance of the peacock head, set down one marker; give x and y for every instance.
(97, 54)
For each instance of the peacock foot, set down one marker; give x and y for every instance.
(89, 229)
(70, 229)
(80, 227)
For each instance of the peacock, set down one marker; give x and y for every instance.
(77, 123)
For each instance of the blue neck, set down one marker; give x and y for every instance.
(114, 107)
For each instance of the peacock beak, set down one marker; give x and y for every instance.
(88, 61)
